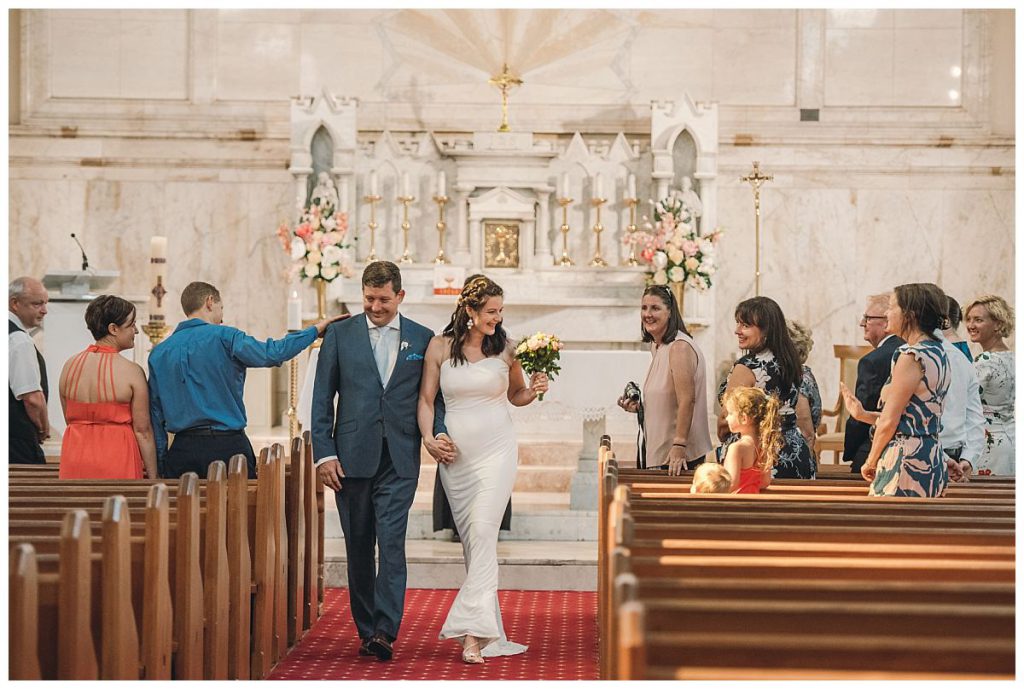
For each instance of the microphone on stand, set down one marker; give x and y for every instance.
(85, 259)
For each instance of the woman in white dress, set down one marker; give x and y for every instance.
(473, 364)
(990, 319)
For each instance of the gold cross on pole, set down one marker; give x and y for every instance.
(756, 179)
(505, 82)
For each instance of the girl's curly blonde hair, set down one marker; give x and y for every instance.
(763, 410)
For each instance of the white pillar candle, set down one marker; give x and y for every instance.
(405, 184)
(631, 186)
(598, 186)
(373, 183)
(565, 186)
(294, 311)
(441, 186)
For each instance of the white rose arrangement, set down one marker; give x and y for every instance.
(317, 246)
(680, 254)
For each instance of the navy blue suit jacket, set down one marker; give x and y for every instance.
(872, 372)
(367, 412)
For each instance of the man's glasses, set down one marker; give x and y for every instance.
(865, 318)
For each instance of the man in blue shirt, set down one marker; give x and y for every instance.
(196, 379)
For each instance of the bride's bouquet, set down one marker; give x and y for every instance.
(539, 353)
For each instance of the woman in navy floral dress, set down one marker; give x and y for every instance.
(906, 459)
(771, 364)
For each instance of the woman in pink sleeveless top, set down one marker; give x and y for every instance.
(106, 401)
(674, 395)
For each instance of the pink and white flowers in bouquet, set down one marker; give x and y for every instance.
(681, 253)
(318, 245)
(539, 353)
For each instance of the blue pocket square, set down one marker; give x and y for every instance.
(414, 357)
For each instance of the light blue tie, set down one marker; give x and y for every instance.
(382, 353)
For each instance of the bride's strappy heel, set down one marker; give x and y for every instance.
(471, 654)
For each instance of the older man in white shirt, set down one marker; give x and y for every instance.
(963, 426)
(27, 386)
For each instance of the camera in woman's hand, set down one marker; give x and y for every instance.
(630, 400)
(632, 392)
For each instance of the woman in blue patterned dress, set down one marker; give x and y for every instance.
(906, 459)
(771, 364)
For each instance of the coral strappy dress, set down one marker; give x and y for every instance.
(99, 441)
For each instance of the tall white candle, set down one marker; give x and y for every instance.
(405, 184)
(373, 183)
(565, 185)
(441, 186)
(598, 186)
(631, 186)
(294, 311)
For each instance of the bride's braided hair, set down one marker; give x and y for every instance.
(475, 293)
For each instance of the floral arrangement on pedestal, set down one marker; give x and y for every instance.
(318, 245)
(678, 254)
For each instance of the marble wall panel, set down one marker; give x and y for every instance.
(755, 66)
(858, 66)
(859, 19)
(119, 54)
(257, 60)
(154, 57)
(330, 53)
(927, 66)
(83, 59)
(688, 51)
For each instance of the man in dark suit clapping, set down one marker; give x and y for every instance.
(872, 372)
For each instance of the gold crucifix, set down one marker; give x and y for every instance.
(505, 82)
(756, 179)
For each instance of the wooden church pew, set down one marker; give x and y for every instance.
(684, 529)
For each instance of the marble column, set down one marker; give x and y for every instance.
(301, 180)
(526, 257)
(462, 253)
(475, 255)
(543, 250)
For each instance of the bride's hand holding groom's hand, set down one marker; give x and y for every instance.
(441, 448)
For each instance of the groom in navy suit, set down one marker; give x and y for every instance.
(368, 450)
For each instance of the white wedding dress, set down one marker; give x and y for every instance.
(478, 484)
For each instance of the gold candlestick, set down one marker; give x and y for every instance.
(631, 229)
(505, 82)
(156, 329)
(293, 398)
(564, 229)
(598, 261)
(756, 179)
(372, 199)
(440, 259)
(405, 201)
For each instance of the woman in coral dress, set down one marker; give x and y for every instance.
(106, 401)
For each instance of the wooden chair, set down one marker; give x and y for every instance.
(826, 441)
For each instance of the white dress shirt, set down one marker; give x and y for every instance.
(963, 423)
(22, 364)
(391, 332)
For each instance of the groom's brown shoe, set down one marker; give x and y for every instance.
(380, 647)
(364, 647)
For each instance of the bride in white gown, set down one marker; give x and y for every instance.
(472, 363)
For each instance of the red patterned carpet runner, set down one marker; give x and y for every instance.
(560, 627)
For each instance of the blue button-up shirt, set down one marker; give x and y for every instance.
(197, 375)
